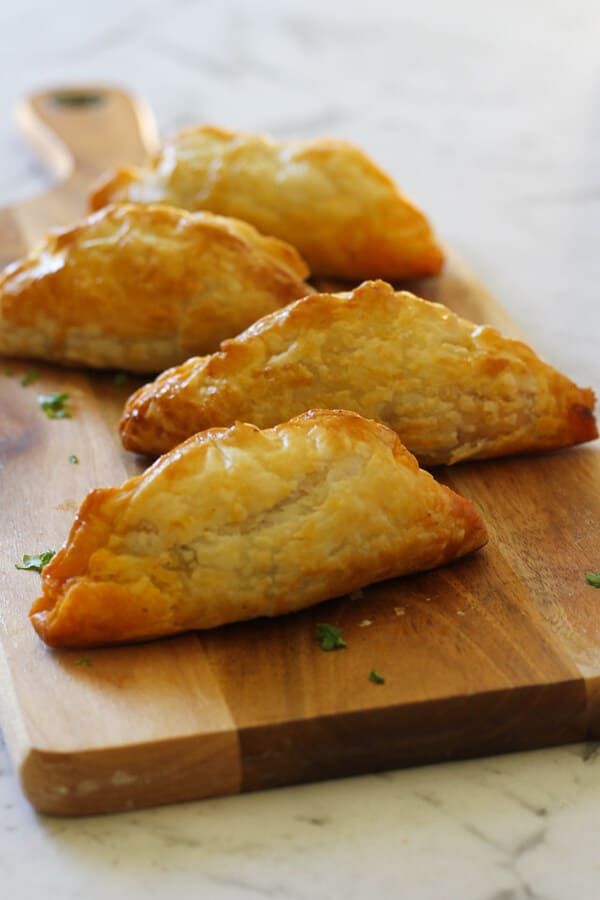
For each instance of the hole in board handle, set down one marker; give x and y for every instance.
(77, 99)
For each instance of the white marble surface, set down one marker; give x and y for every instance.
(489, 116)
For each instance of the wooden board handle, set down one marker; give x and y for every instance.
(84, 130)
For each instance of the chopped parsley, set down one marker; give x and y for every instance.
(593, 578)
(8, 371)
(330, 637)
(120, 378)
(35, 562)
(53, 405)
(74, 459)
(375, 677)
(83, 661)
(29, 377)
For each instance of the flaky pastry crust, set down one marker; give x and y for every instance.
(143, 287)
(326, 197)
(451, 389)
(238, 523)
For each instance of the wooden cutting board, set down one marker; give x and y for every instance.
(498, 652)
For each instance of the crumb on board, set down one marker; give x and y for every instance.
(67, 506)
(365, 623)
(400, 610)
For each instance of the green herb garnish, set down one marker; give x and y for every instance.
(29, 377)
(375, 677)
(35, 562)
(8, 371)
(120, 378)
(53, 405)
(84, 661)
(74, 459)
(593, 578)
(330, 637)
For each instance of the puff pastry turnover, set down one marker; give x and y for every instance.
(143, 287)
(238, 523)
(326, 197)
(452, 390)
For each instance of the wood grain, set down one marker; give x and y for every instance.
(497, 652)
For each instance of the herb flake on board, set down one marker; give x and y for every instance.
(84, 662)
(35, 562)
(29, 377)
(53, 405)
(330, 637)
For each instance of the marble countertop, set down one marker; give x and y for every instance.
(489, 117)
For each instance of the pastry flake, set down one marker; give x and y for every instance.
(238, 523)
(451, 389)
(326, 197)
(142, 288)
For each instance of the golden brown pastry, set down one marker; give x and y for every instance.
(238, 523)
(451, 389)
(346, 217)
(142, 288)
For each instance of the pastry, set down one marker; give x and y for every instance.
(452, 390)
(346, 217)
(238, 523)
(142, 288)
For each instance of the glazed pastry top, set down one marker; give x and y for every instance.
(451, 389)
(238, 522)
(326, 197)
(143, 287)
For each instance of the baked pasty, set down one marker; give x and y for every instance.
(346, 217)
(451, 389)
(143, 287)
(238, 523)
